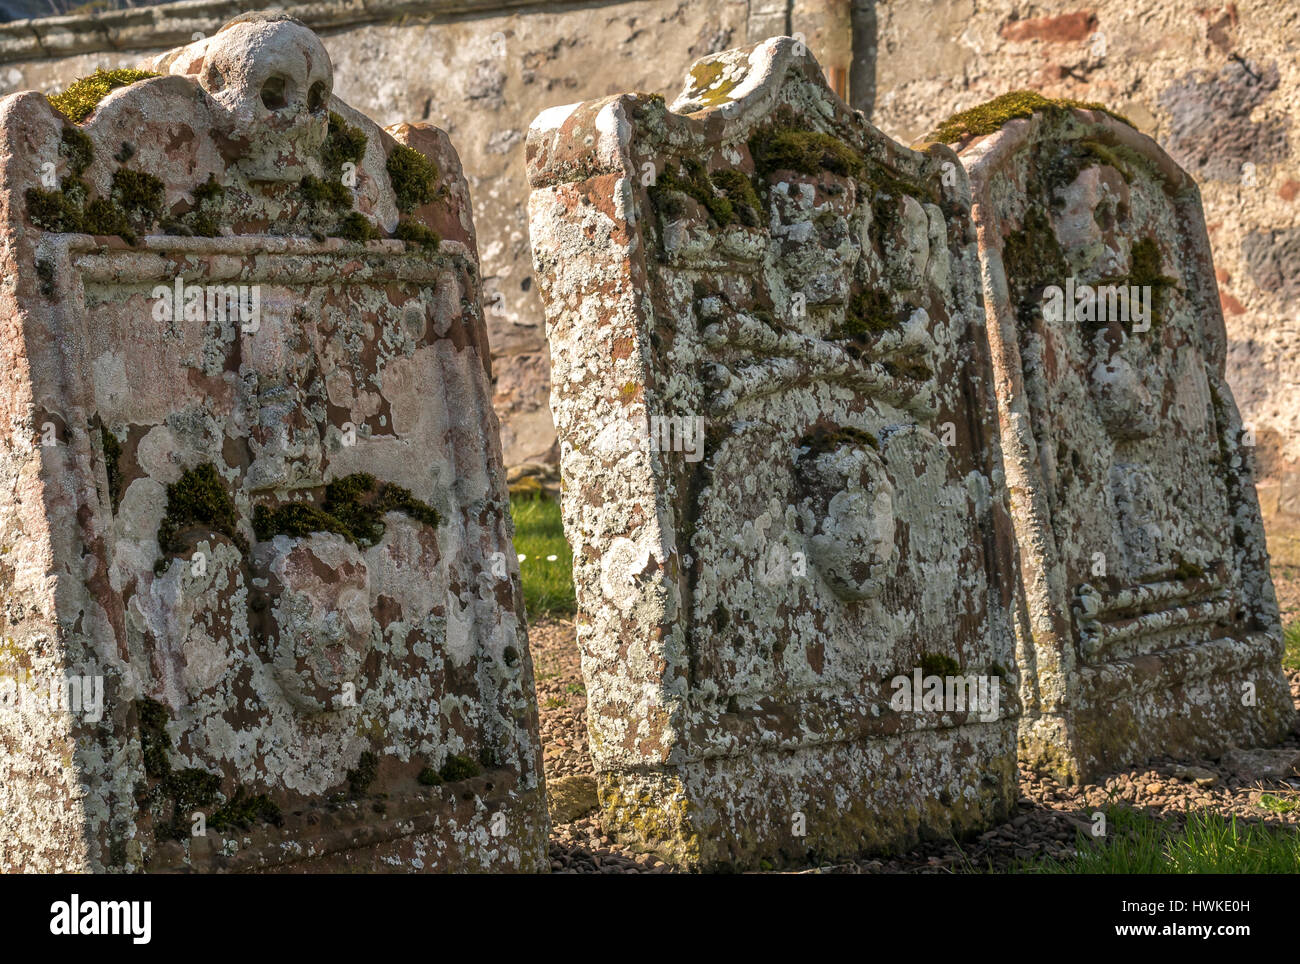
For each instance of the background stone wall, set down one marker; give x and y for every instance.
(1215, 85)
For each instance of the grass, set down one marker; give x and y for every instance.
(1291, 656)
(545, 562)
(1208, 843)
(1281, 802)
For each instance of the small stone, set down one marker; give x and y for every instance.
(571, 797)
(1200, 776)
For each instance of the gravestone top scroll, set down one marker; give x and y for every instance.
(1152, 627)
(255, 523)
(782, 477)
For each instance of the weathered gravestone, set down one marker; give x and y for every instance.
(782, 478)
(1151, 625)
(252, 485)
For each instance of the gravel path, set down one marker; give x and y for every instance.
(561, 698)
(1045, 821)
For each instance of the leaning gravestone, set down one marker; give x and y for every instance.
(1151, 624)
(782, 477)
(253, 493)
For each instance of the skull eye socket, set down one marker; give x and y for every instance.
(273, 93)
(213, 79)
(317, 96)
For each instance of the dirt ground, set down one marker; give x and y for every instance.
(1045, 821)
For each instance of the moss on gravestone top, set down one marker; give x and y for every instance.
(785, 147)
(991, 115)
(83, 96)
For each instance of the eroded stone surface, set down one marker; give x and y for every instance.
(782, 478)
(1151, 624)
(279, 535)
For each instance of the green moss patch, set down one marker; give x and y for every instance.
(104, 217)
(54, 211)
(737, 188)
(135, 201)
(355, 226)
(728, 195)
(869, 313)
(784, 146)
(1033, 259)
(991, 115)
(203, 218)
(457, 767)
(1144, 270)
(186, 791)
(83, 96)
(76, 146)
(343, 144)
(139, 196)
(332, 193)
(418, 233)
(414, 178)
(360, 778)
(243, 811)
(691, 178)
(45, 277)
(354, 508)
(62, 209)
(913, 368)
(154, 742)
(939, 664)
(198, 498)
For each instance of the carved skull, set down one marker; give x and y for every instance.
(274, 78)
(819, 246)
(317, 623)
(1128, 378)
(849, 505)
